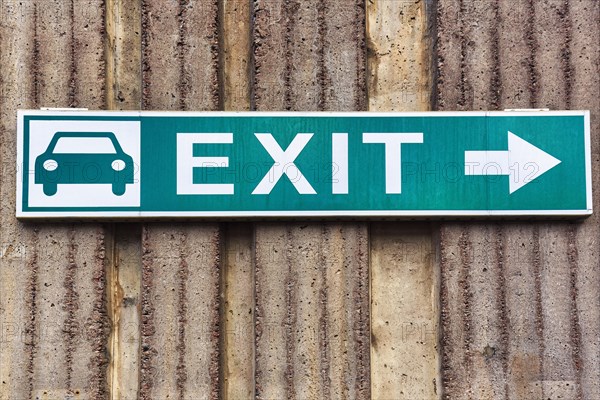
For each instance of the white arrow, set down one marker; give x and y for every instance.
(523, 162)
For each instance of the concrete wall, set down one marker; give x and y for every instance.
(384, 310)
(520, 301)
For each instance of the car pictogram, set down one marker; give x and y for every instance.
(84, 158)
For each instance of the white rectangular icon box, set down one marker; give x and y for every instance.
(92, 150)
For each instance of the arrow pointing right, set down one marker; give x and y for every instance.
(523, 162)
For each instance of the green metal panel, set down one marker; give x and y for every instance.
(434, 178)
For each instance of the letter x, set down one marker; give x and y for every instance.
(283, 162)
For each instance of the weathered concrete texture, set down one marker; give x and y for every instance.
(237, 323)
(312, 291)
(124, 287)
(235, 37)
(237, 356)
(181, 262)
(520, 310)
(269, 37)
(18, 275)
(404, 291)
(52, 55)
(399, 37)
(404, 313)
(585, 262)
(312, 320)
(343, 79)
(309, 55)
(124, 271)
(180, 312)
(180, 55)
(123, 55)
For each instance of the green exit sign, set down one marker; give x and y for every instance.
(191, 164)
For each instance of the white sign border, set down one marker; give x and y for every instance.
(346, 214)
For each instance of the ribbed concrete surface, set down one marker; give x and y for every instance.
(53, 314)
(312, 310)
(281, 310)
(311, 296)
(180, 333)
(520, 304)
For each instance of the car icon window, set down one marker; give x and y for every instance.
(89, 145)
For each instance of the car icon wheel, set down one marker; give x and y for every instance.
(50, 189)
(118, 189)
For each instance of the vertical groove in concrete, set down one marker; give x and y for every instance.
(71, 305)
(539, 315)
(575, 329)
(18, 249)
(324, 335)
(269, 42)
(182, 310)
(147, 326)
(97, 322)
(291, 320)
(359, 366)
(180, 320)
(290, 18)
(546, 59)
(532, 44)
(303, 60)
(404, 349)
(466, 257)
(446, 48)
(182, 49)
(456, 257)
(503, 320)
(450, 370)
(72, 102)
(30, 329)
(495, 86)
(565, 51)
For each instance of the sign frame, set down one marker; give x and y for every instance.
(315, 214)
